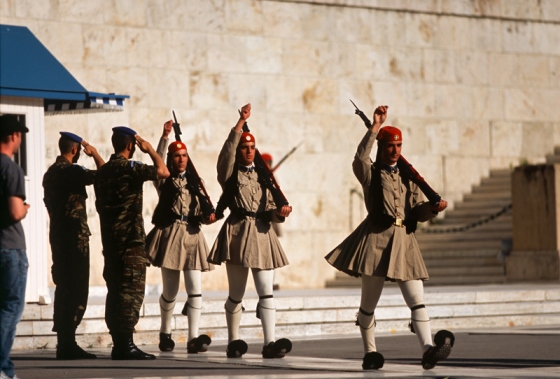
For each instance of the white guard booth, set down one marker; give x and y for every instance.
(34, 83)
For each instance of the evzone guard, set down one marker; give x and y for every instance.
(176, 243)
(246, 240)
(383, 247)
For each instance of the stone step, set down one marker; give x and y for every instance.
(313, 312)
(469, 235)
(458, 253)
(464, 219)
(486, 271)
(493, 185)
(498, 224)
(447, 263)
(489, 196)
(460, 245)
(317, 312)
(443, 275)
(499, 181)
(499, 173)
(453, 280)
(482, 204)
(442, 280)
(491, 189)
(475, 213)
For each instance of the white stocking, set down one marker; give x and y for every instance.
(170, 280)
(371, 292)
(264, 281)
(193, 284)
(413, 293)
(237, 280)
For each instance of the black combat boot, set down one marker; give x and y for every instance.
(68, 349)
(124, 349)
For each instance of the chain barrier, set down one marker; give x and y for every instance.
(483, 221)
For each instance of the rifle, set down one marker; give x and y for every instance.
(196, 184)
(266, 175)
(285, 157)
(407, 168)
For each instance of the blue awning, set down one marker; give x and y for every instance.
(28, 69)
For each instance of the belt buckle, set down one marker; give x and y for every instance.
(398, 222)
(183, 218)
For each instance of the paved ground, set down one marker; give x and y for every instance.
(504, 353)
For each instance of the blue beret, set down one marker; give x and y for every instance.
(124, 130)
(71, 136)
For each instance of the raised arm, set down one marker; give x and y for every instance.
(91, 151)
(362, 161)
(164, 140)
(244, 114)
(146, 147)
(226, 159)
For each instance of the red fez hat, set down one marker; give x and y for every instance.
(247, 137)
(389, 133)
(176, 146)
(266, 157)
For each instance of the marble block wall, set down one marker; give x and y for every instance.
(473, 85)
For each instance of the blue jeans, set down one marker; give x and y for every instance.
(13, 279)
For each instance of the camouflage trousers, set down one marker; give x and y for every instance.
(70, 273)
(125, 275)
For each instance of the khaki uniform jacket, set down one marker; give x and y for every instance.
(246, 241)
(379, 250)
(179, 246)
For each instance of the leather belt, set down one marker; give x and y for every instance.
(243, 213)
(189, 219)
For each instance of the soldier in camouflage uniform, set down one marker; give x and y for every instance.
(118, 191)
(64, 185)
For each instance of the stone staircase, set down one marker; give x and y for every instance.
(474, 253)
(471, 254)
(307, 313)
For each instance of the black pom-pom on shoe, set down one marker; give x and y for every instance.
(277, 349)
(199, 344)
(444, 341)
(236, 349)
(165, 342)
(373, 361)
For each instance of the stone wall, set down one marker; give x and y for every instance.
(472, 84)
